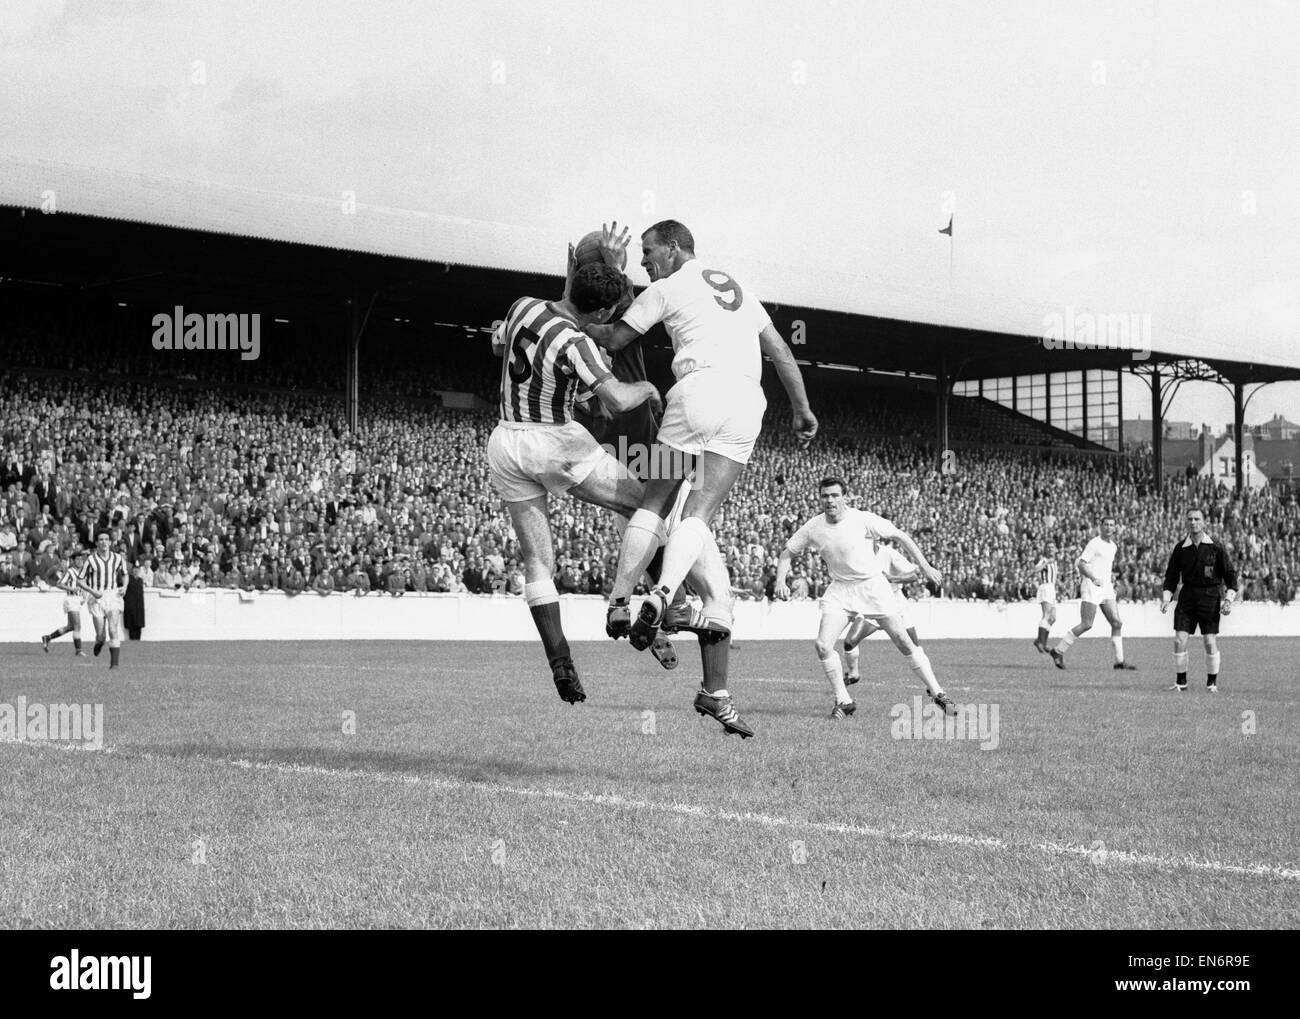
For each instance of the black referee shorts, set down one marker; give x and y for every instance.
(1197, 609)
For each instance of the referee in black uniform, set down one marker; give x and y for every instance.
(1202, 566)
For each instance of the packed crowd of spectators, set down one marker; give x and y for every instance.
(224, 487)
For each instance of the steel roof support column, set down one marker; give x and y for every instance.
(943, 386)
(1157, 429)
(1238, 427)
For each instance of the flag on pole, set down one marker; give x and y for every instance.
(948, 229)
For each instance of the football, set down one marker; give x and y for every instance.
(587, 251)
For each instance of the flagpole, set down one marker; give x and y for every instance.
(949, 231)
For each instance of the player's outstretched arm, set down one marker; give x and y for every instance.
(911, 548)
(774, 347)
(620, 397)
(779, 586)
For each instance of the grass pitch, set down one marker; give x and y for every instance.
(230, 795)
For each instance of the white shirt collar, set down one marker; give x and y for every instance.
(1205, 540)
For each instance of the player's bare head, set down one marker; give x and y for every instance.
(596, 288)
(1107, 526)
(831, 491)
(1195, 520)
(664, 247)
(102, 539)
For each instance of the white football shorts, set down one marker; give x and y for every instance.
(104, 604)
(710, 411)
(527, 460)
(872, 598)
(1047, 593)
(1095, 594)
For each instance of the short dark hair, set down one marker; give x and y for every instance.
(1194, 509)
(103, 534)
(831, 482)
(596, 287)
(669, 230)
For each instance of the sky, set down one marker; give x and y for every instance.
(1129, 158)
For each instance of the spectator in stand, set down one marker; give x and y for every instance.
(360, 581)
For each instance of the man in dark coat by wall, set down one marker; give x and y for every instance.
(133, 605)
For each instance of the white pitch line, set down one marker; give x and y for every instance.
(442, 783)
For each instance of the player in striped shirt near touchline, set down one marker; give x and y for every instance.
(69, 582)
(105, 577)
(1045, 569)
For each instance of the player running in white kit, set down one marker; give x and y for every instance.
(842, 536)
(898, 570)
(1096, 563)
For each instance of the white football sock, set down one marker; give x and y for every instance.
(684, 547)
(1118, 644)
(831, 666)
(640, 542)
(1066, 641)
(1212, 664)
(851, 659)
(920, 664)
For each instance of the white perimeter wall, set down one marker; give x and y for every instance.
(231, 615)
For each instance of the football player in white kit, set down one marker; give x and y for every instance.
(720, 333)
(1096, 563)
(843, 536)
(898, 570)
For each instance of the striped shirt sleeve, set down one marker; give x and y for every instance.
(584, 358)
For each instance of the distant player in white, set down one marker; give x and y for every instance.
(1096, 563)
(1045, 570)
(720, 334)
(898, 570)
(842, 536)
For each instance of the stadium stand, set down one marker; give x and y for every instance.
(208, 482)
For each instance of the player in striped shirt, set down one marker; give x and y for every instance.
(1045, 569)
(538, 449)
(105, 577)
(69, 582)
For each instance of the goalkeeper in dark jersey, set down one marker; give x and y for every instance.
(630, 436)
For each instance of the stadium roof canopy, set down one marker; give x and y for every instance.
(91, 257)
